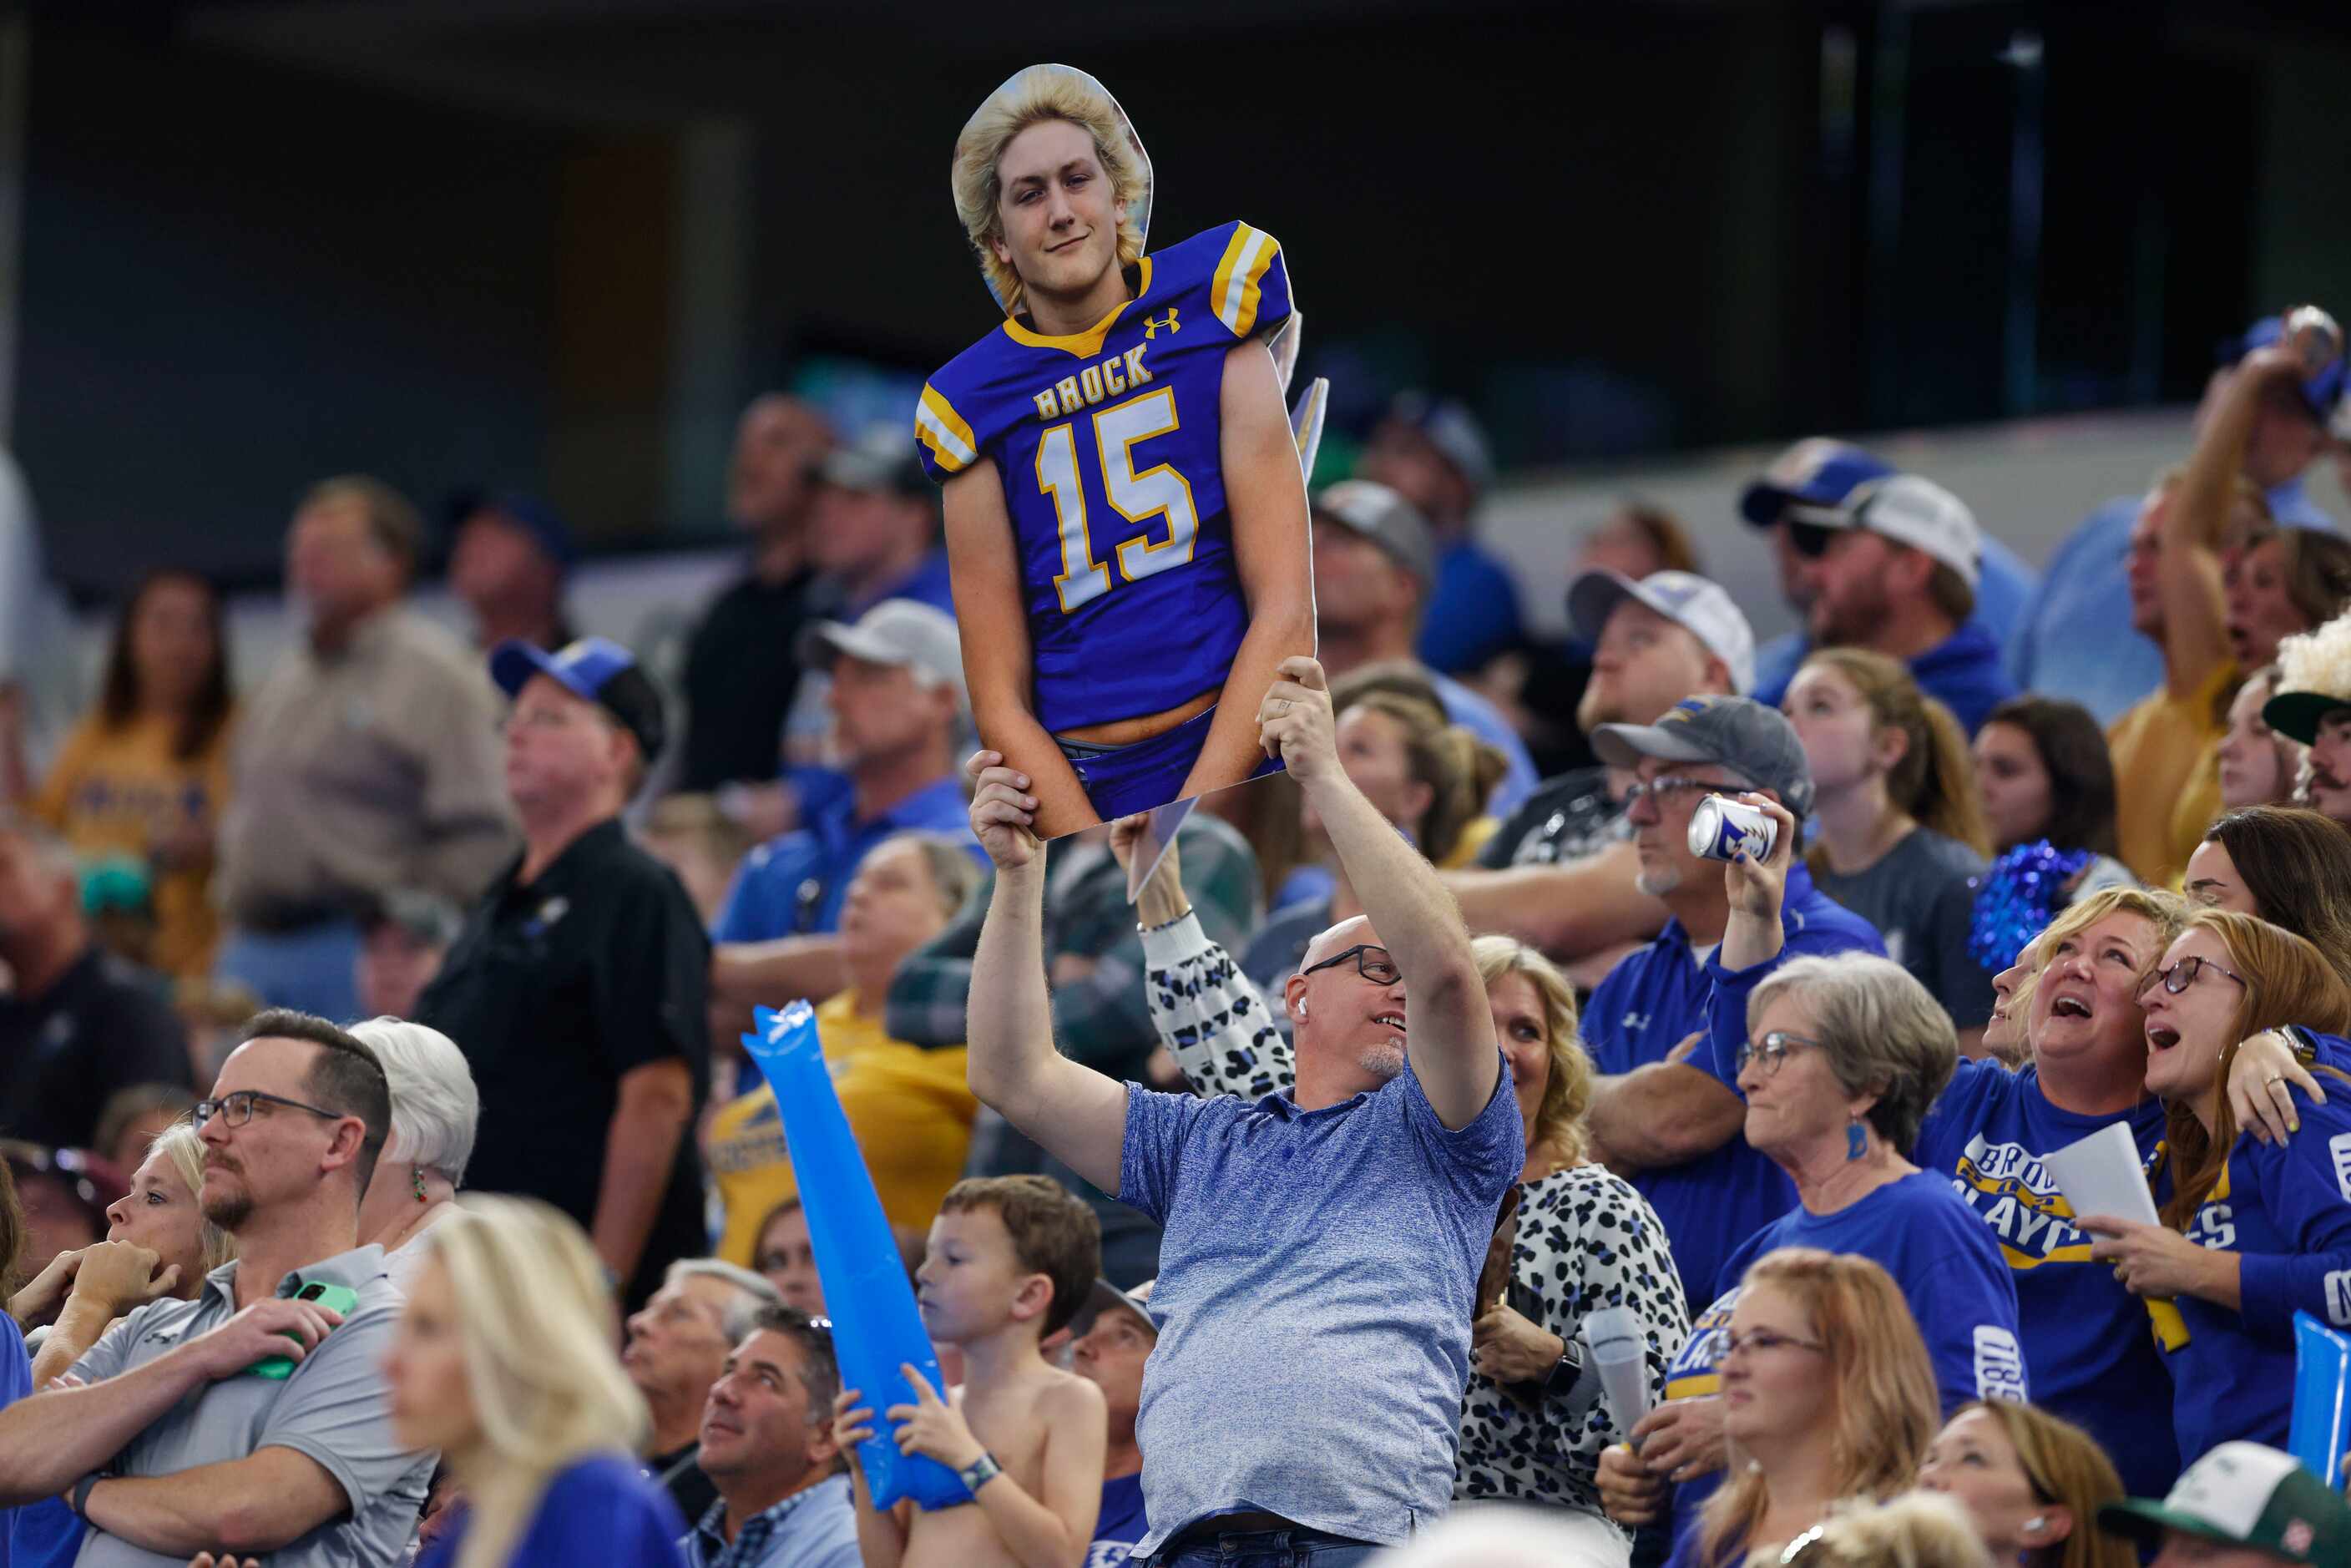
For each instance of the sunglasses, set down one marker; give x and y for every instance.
(2182, 975)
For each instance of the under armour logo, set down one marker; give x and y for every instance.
(1151, 327)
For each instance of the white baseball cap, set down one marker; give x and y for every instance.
(1684, 598)
(1919, 513)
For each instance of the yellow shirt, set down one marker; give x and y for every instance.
(910, 1110)
(119, 791)
(2164, 795)
(1472, 840)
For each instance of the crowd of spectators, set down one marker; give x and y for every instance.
(1274, 1205)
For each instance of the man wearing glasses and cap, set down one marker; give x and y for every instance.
(579, 988)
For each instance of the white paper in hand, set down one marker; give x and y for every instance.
(1620, 1354)
(2102, 1175)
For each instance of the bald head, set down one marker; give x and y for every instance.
(778, 442)
(1338, 939)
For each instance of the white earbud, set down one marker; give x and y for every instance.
(2038, 1522)
(1302, 1006)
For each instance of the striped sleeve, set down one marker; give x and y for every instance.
(942, 438)
(1250, 288)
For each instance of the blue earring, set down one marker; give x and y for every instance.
(1856, 1141)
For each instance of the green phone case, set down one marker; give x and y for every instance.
(336, 1297)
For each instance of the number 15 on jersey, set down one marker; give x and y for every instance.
(1140, 498)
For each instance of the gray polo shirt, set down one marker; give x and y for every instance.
(334, 1408)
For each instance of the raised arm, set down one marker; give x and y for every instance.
(1567, 911)
(984, 560)
(1451, 1027)
(1266, 495)
(1076, 1113)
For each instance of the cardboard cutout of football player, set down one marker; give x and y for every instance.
(1126, 517)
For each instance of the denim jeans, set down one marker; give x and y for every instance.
(1269, 1548)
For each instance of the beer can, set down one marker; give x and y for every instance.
(1722, 829)
(2313, 334)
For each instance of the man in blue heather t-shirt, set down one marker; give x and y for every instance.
(1320, 1261)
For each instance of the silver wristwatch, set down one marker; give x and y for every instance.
(978, 1473)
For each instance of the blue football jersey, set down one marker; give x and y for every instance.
(1108, 445)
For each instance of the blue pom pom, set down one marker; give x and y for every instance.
(2016, 897)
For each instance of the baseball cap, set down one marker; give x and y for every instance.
(2297, 715)
(1452, 429)
(1737, 732)
(881, 459)
(2243, 1494)
(894, 632)
(1813, 476)
(1683, 597)
(1917, 512)
(1105, 1296)
(595, 668)
(1387, 520)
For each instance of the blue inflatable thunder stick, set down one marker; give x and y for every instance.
(875, 1325)
(2322, 1398)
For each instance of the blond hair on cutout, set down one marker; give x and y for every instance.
(1883, 1405)
(1558, 1139)
(1039, 94)
(2066, 1468)
(535, 1322)
(179, 1144)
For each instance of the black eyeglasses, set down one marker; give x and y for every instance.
(2182, 975)
(1811, 540)
(1772, 1050)
(1666, 786)
(237, 1109)
(1380, 970)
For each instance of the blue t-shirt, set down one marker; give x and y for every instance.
(1949, 1268)
(1472, 612)
(793, 885)
(2286, 1212)
(1119, 1525)
(2075, 639)
(1963, 671)
(1317, 1279)
(2084, 1337)
(602, 1509)
(1645, 1006)
(1107, 445)
(16, 1383)
(928, 583)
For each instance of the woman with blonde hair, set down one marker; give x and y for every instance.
(158, 1244)
(1901, 831)
(1426, 776)
(2031, 1482)
(1911, 1532)
(1828, 1395)
(1117, 463)
(1571, 1237)
(2250, 1232)
(504, 1363)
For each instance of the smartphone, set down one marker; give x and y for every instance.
(336, 1297)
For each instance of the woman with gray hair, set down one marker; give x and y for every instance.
(434, 1110)
(1841, 1059)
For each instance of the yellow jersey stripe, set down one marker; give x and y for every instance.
(1236, 285)
(943, 430)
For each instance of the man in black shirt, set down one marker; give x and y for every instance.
(579, 988)
(740, 672)
(76, 1022)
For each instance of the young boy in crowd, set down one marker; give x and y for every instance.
(1011, 1261)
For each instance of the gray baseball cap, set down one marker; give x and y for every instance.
(1737, 732)
(1387, 520)
(894, 632)
(1105, 1296)
(1685, 598)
